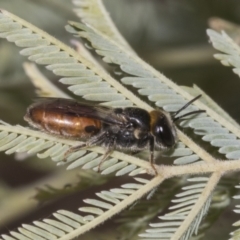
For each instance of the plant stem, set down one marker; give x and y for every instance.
(221, 166)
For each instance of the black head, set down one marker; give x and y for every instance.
(163, 128)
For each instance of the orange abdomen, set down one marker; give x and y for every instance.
(61, 123)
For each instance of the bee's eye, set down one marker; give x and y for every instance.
(163, 132)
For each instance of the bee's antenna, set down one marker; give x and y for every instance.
(190, 113)
(185, 106)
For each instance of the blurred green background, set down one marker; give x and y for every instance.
(168, 34)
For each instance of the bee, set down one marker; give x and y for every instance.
(129, 128)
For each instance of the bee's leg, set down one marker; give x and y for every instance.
(151, 149)
(105, 156)
(109, 144)
(74, 149)
(95, 140)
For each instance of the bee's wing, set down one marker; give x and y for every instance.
(79, 109)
